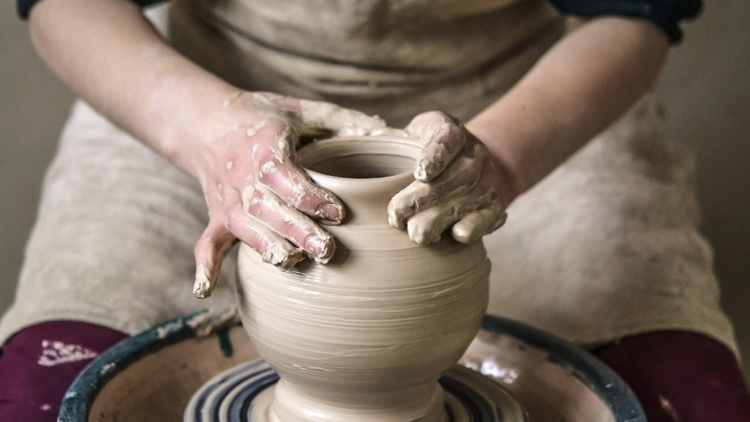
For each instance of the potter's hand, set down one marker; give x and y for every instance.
(458, 185)
(255, 191)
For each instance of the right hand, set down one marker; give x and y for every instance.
(255, 192)
(458, 185)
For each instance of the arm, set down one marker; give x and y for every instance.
(239, 145)
(110, 55)
(468, 176)
(590, 78)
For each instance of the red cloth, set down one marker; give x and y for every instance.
(677, 376)
(681, 376)
(38, 364)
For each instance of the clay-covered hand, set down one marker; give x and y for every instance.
(458, 184)
(254, 189)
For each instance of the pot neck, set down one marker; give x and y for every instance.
(364, 172)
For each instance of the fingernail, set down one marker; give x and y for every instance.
(203, 286)
(320, 248)
(331, 212)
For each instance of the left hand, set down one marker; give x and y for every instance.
(458, 184)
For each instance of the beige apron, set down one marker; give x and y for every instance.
(605, 247)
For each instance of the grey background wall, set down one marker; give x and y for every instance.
(706, 88)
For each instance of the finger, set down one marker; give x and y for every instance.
(427, 226)
(278, 171)
(272, 247)
(263, 204)
(475, 225)
(209, 252)
(340, 120)
(444, 139)
(296, 189)
(458, 179)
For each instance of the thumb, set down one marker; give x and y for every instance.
(213, 244)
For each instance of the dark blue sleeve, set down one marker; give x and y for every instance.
(24, 6)
(666, 14)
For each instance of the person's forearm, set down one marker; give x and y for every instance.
(111, 56)
(575, 91)
(239, 145)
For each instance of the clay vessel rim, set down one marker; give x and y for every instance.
(325, 149)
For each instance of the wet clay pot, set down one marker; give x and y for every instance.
(366, 336)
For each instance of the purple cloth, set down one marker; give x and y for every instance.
(680, 376)
(38, 364)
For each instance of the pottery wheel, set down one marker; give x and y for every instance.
(205, 363)
(244, 394)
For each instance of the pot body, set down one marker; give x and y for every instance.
(370, 332)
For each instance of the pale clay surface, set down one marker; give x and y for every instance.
(376, 327)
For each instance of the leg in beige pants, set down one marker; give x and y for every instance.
(114, 237)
